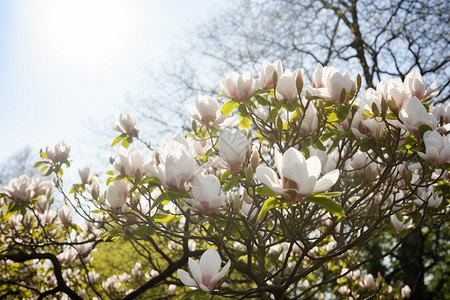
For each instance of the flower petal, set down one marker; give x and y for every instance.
(195, 269)
(327, 181)
(185, 278)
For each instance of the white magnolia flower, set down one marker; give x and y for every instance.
(330, 83)
(268, 69)
(394, 89)
(233, 148)
(299, 177)
(117, 194)
(19, 189)
(207, 197)
(176, 169)
(206, 273)
(131, 162)
(205, 109)
(65, 215)
(310, 121)
(400, 225)
(84, 172)
(416, 87)
(437, 148)
(58, 153)
(414, 114)
(406, 291)
(126, 124)
(239, 87)
(287, 85)
(367, 282)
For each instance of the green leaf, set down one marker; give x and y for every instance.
(162, 218)
(331, 206)
(228, 107)
(261, 100)
(424, 128)
(225, 176)
(111, 173)
(144, 230)
(232, 183)
(273, 114)
(269, 204)
(265, 191)
(38, 164)
(117, 139)
(245, 123)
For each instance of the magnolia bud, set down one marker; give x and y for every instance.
(254, 160)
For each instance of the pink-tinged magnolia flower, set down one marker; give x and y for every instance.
(310, 121)
(65, 215)
(414, 114)
(406, 291)
(287, 85)
(329, 83)
(207, 197)
(416, 87)
(394, 89)
(239, 87)
(367, 282)
(233, 148)
(84, 171)
(206, 273)
(441, 110)
(437, 148)
(363, 126)
(126, 124)
(205, 109)
(117, 194)
(299, 176)
(19, 189)
(400, 225)
(130, 161)
(176, 169)
(268, 69)
(93, 277)
(428, 196)
(58, 153)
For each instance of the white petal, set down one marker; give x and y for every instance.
(307, 186)
(327, 181)
(268, 177)
(195, 269)
(314, 166)
(217, 277)
(210, 262)
(185, 278)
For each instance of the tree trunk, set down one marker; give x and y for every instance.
(411, 261)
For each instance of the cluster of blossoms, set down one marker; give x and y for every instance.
(282, 178)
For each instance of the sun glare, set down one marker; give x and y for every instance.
(85, 32)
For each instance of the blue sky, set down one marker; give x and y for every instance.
(65, 62)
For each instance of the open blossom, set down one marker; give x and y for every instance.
(206, 273)
(287, 85)
(205, 109)
(206, 194)
(176, 169)
(299, 176)
(268, 70)
(406, 291)
(130, 161)
(58, 153)
(367, 282)
(233, 148)
(400, 225)
(126, 124)
(414, 114)
(394, 89)
(330, 83)
(437, 148)
(117, 194)
(416, 87)
(19, 189)
(239, 87)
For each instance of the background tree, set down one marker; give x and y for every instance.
(17, 164)
(378, 40)
(375, 39)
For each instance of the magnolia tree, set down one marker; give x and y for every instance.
(272, 195)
